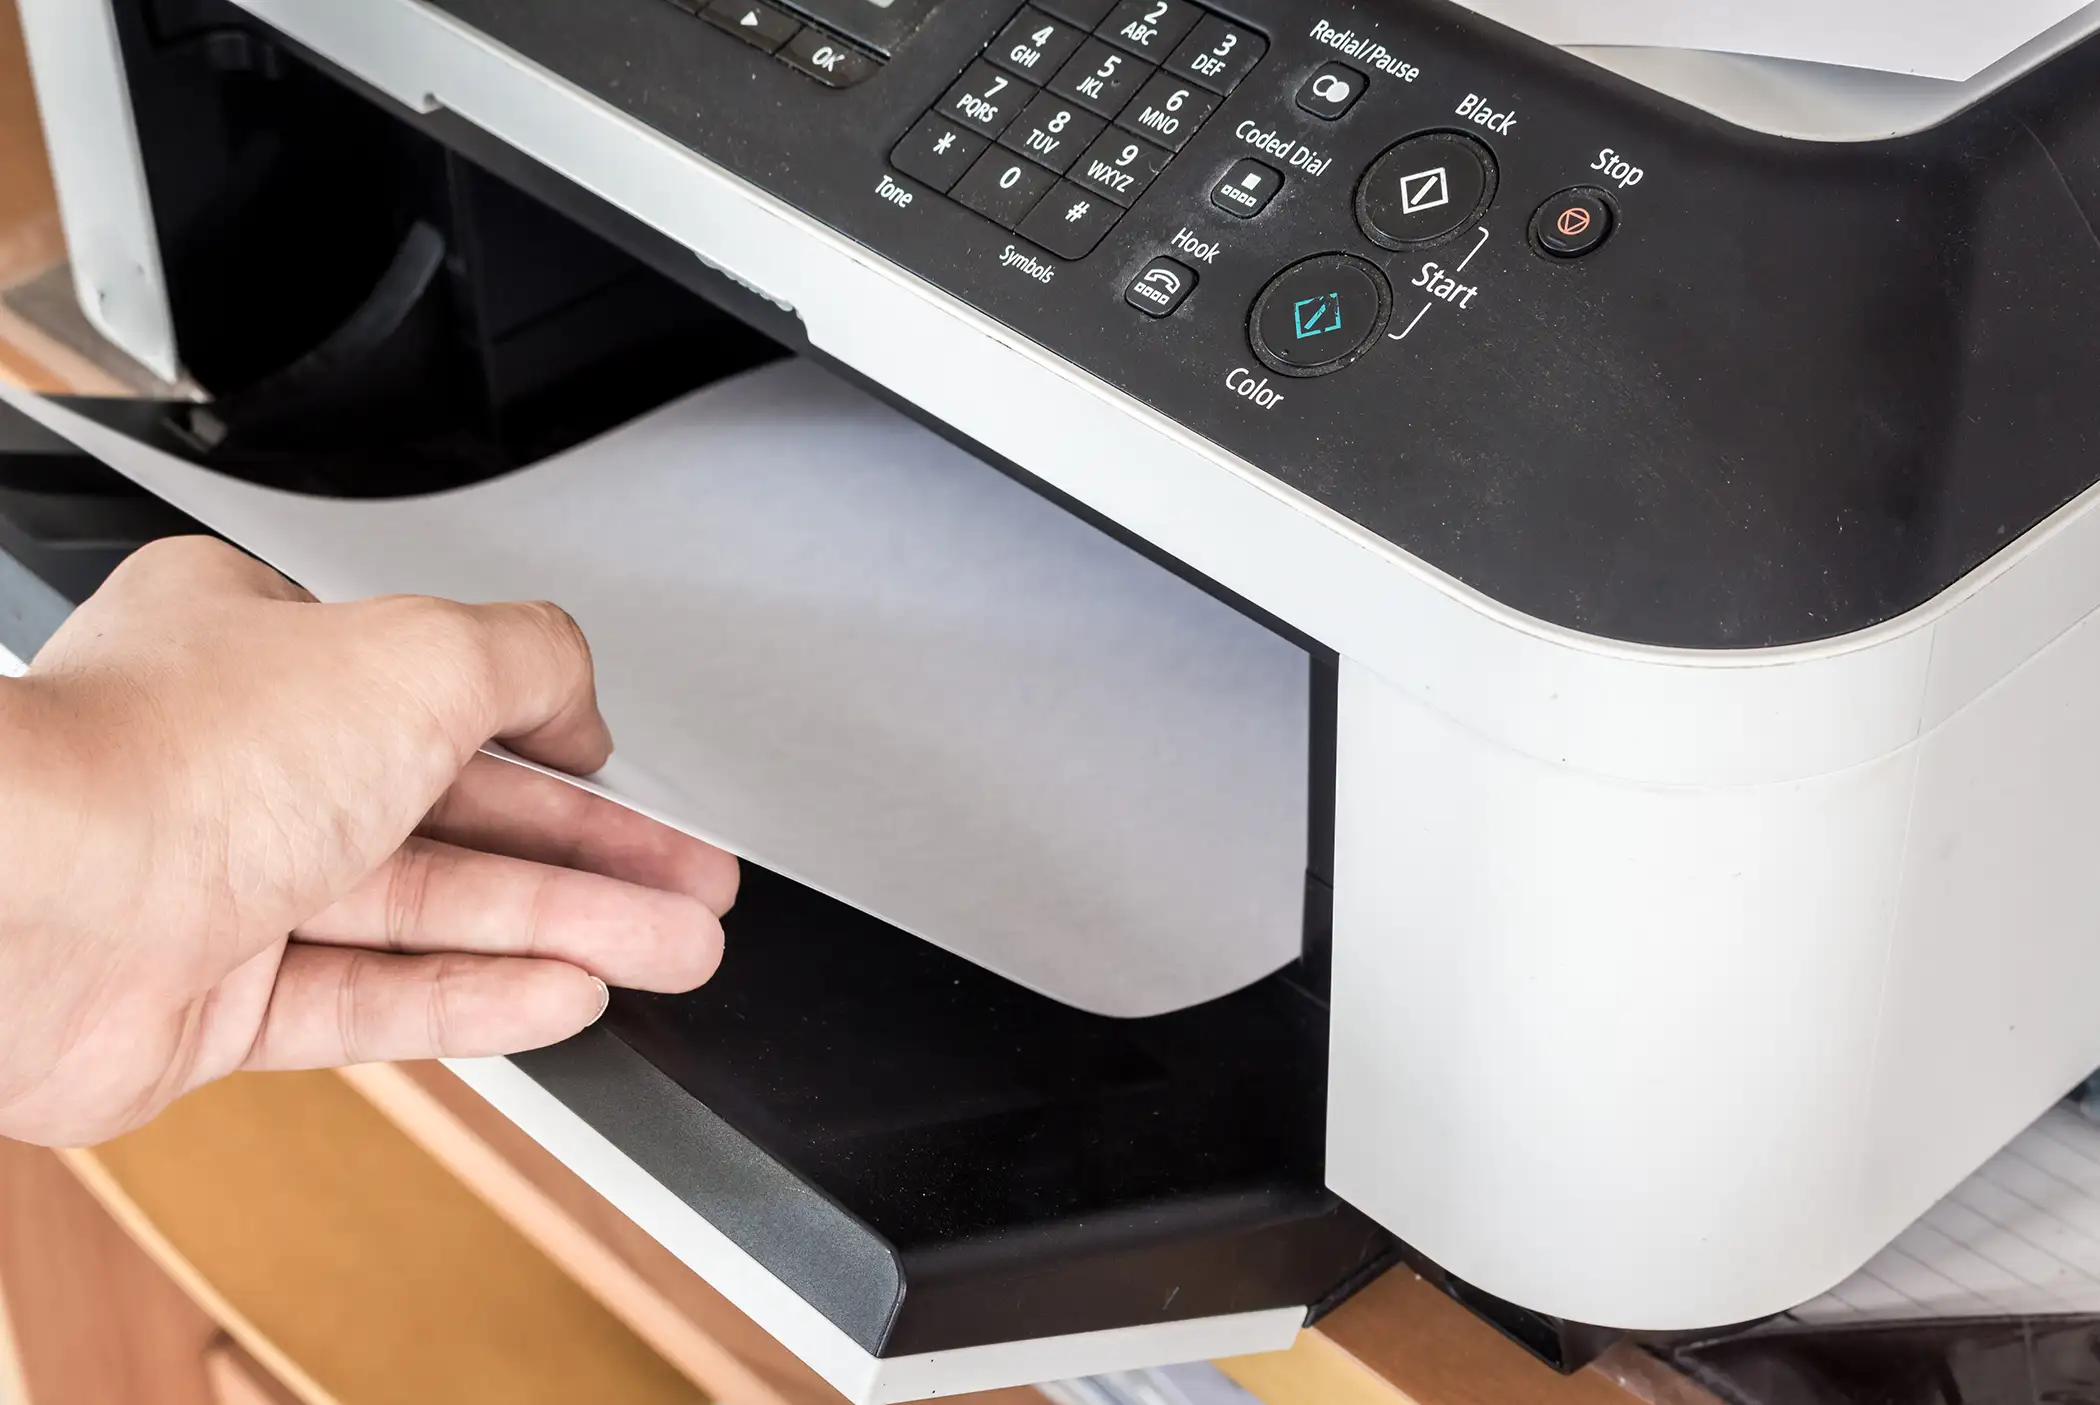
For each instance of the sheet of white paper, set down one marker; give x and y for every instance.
(2019, 1238)
(1948, 39)
(837, 645)
(10, 666)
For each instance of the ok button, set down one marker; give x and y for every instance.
(1319, 315)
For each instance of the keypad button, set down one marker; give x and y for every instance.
(1168, 110)
(937, 152)
(760, 26)
(1161, 286)
(1119, 166)
(1099, 78)
(984, 99)
(1035, 46)
(1331, 91)
(1247, 188)
(1149, 27)
(1218, 54)
(1070, 221)
(1084, 13)
(1003, 187)
(1052, 131)
(826, 59)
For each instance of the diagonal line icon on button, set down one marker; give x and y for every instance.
(1424, 190)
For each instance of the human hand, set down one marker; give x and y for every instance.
(245, 830)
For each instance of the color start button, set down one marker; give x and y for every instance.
(1319, 315)
(1573, 223)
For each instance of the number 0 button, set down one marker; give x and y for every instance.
(1002, 187)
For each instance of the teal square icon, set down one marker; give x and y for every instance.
(1313, 317)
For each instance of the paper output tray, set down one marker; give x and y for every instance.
(934, 1158)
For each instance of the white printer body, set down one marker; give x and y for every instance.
(1709, 605)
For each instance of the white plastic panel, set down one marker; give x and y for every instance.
(100, 179)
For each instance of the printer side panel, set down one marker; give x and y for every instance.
(1601, 1047)
(1992, 1009)
(1661, 1057)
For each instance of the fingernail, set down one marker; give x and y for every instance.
(604, 999)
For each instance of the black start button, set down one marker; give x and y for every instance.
(1425, 189)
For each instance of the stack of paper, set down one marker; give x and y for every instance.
(2020, 1238)
(837, 645)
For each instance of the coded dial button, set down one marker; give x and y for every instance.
(1003, 187)
(1218, 54)
(1119, 166)
(937, 152)
(1070, 221)
(984, 99)
(1247, 188)
(1099, 78)
(1052, 131)
(1168, 110)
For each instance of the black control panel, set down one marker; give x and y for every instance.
(1608, 360)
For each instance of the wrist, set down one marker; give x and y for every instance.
(45, 781)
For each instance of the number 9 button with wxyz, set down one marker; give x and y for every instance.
(1105, 109)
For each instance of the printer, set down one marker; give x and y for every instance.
(1678, 471)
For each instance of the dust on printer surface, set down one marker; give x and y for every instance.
(1689, 688)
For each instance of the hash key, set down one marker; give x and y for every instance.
(1070, 221)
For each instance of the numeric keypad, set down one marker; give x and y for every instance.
(1105, 110)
